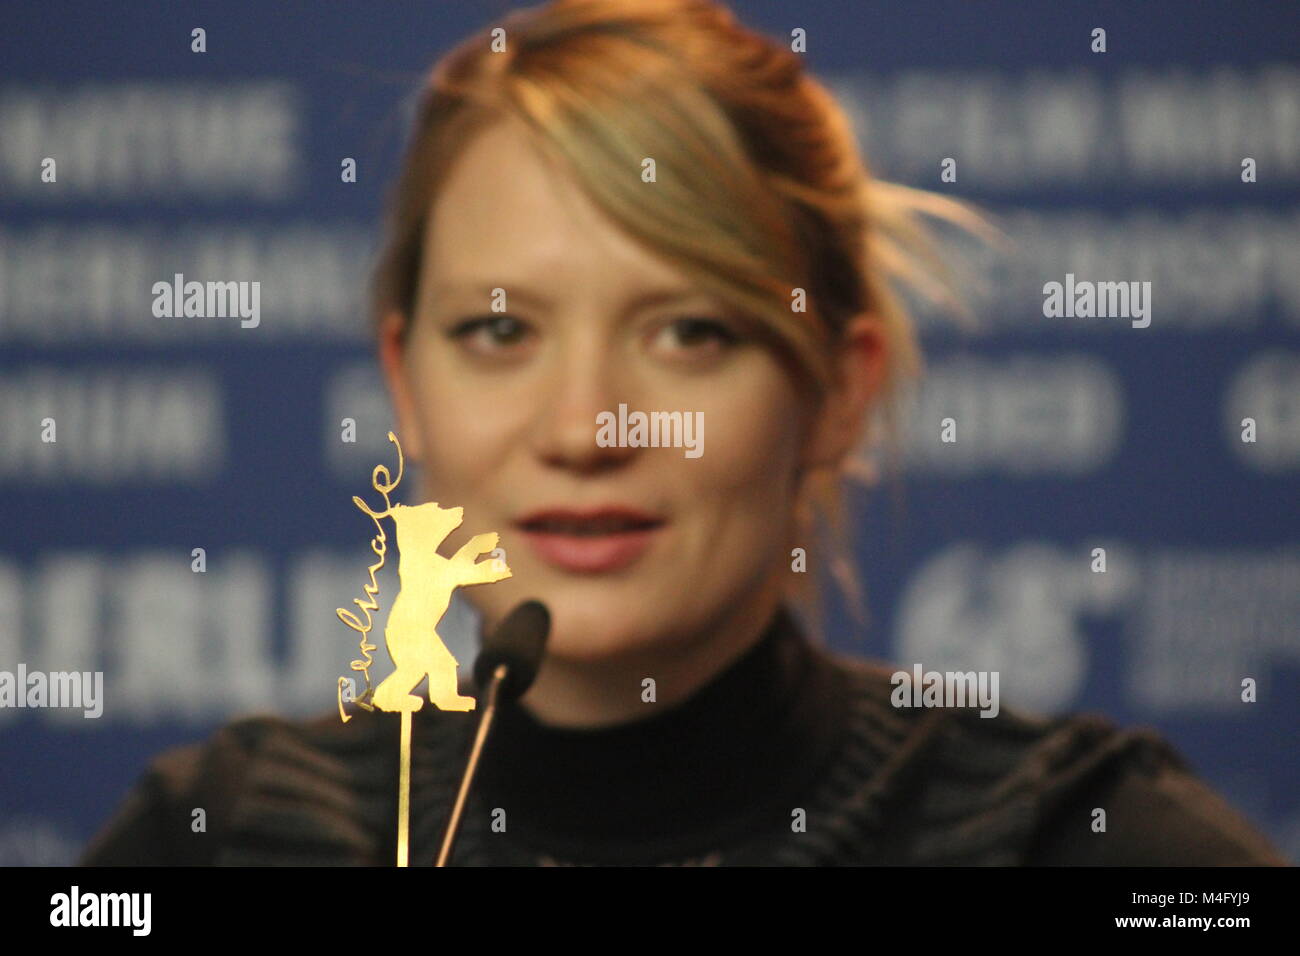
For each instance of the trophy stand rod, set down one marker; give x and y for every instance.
(485, 724)
(404, 793)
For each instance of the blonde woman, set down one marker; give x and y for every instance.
(675, 217)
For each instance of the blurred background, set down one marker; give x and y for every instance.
(1171, 158)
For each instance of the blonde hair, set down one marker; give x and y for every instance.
(760, 188)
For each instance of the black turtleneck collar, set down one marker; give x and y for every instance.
(735, 757)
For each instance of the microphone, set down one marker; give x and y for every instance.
(518, 643)
(504, 670)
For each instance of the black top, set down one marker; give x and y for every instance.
(791, 756)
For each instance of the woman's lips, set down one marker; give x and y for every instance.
(591, 553)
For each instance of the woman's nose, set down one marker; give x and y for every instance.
(587, 382)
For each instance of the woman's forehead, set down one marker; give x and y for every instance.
(507, 218)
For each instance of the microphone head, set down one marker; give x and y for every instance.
(519, 643)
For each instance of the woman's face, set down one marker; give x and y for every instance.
(501, 410)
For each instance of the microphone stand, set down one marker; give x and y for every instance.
(485, 724)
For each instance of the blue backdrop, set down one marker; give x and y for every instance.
(1172, 158)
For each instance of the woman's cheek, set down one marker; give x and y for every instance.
(748, 443)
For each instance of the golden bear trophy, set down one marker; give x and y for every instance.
(426, 581)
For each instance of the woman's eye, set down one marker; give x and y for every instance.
(692, 333)
(489, 333)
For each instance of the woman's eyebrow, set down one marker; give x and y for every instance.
(651, 298)
(482, 291)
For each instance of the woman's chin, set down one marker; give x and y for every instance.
(590, 624)
(594, 634)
